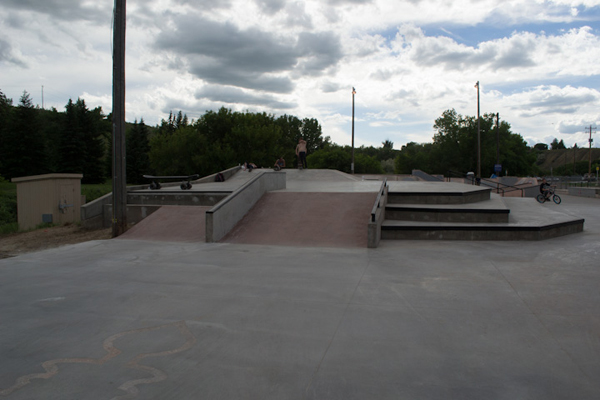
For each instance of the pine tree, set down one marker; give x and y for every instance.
(24, 146)
(137, 148)
(5, 122)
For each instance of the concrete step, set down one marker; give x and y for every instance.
(493, 210)
(528, 220)
(435, 193)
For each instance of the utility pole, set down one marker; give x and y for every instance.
(119, 220)
(42, 97)
(574, 157)
(352, 163)
(590, 141)
(478, 137)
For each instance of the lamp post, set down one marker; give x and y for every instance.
(352, 162)
(478, 137)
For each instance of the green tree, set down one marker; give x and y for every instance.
(82, 144)
(556, 145)
(6, 111)
(331, 157)
(138, 146)
(413, 156)
(24, 146)
(455, 146)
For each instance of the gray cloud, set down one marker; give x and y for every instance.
(556, 104)
(330, 87)
(221, 53)
(271, 7)
(571, 128)
(515, 55)
(231, 95)
(65, 10)
(6, 55)
(348, 2)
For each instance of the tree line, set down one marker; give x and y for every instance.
(454, 148)
(34, 141)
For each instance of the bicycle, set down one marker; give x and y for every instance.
(542, 198)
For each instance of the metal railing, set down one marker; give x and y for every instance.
(498, 186)
(378, 200)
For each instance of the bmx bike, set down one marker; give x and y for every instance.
(542, 198)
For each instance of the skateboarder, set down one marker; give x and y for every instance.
(301, 153)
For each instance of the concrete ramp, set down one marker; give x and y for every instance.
(306, 219)
(171, 224)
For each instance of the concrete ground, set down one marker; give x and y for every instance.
(151, 319)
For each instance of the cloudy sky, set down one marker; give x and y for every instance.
(538, 61)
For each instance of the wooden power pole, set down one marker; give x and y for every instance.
(119, 220)
(590, 141)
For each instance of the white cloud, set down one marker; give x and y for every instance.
(303, 58)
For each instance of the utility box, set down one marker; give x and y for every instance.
(50, 198)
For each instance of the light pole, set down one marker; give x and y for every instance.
(498, 144)
(352, 162)
(478, 137)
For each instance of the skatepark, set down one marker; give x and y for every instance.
(292, 303)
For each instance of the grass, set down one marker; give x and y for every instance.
(95, 191)
(8, 207)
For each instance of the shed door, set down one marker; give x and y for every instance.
(67, 204)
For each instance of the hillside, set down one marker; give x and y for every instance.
(559, 158)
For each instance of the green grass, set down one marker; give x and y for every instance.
(95, 191)
(8, 207)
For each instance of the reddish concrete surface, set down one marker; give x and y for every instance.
(306, 219)
(171, 224)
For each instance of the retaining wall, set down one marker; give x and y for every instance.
(228, 212)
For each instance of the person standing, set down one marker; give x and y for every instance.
(301, 153)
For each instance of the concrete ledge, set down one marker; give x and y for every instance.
(175, 198)
(93, 213)
(135, 213)
(228, 212)
(439, 197)
(416, 213)
(591, 192)
(403, 231)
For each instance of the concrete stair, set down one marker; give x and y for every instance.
(474, 214)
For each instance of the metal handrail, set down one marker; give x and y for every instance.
(378, 200)
(498, 188)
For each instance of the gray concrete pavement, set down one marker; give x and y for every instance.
(408, 320)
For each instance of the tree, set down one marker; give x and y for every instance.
(413, 156)
(556, 145)
(6, 109)
(24, 146)
(82, 146)
(455, 146)
(137, 148)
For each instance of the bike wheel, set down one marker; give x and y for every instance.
(556, 199)
(540, 198)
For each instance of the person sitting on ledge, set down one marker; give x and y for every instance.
(279, 164)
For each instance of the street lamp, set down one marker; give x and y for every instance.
(352, 162)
